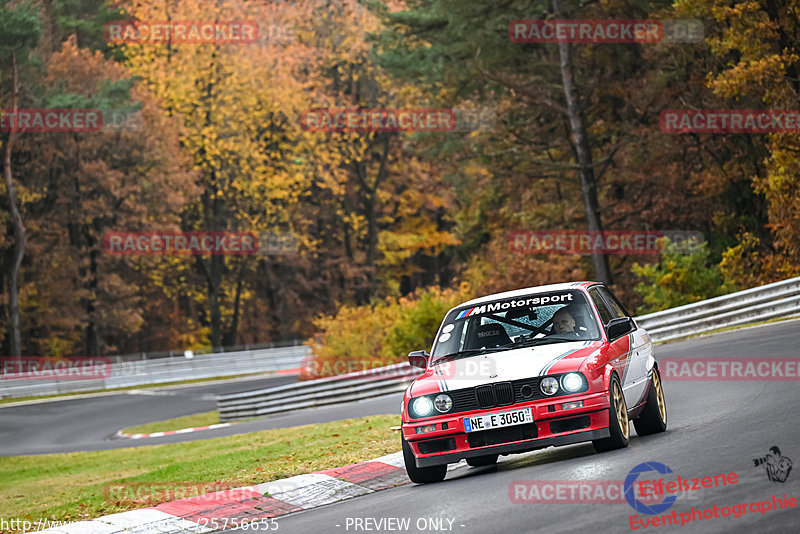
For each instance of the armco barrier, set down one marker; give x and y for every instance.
(351, 386)
(781, 299)
(159, 371)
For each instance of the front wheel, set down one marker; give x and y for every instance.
(653, 418)
(617, 420)
(421, 475)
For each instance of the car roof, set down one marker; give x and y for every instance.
(527, 291)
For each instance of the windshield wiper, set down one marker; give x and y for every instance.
(539, 341)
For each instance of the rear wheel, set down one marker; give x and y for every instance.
(617, 420)
(653, 418)
(421, 475)
(481, 461)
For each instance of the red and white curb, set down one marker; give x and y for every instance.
(194, 515)
(121, 434)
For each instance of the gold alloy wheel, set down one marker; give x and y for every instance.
(622, 410)
(662, 404)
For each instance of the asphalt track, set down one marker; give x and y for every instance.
(715, 427)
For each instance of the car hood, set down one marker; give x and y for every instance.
(503, 366)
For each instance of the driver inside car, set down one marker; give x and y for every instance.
(564, 323)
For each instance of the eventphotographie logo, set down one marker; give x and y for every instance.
(776, 465)
(636, 503)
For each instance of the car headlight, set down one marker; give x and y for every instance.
(443, 403)
(549, 385)
(572, 382)
(422, 407)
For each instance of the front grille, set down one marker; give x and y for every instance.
(437, 445)
(462, 397)
(498, 394)
(504, 393)
(485, 396)
(499, 436)
(568, 425)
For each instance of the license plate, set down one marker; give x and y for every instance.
(498, 420)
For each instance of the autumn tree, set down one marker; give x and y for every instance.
(77, 296)
(462, 50)
(757, 65)
(19, 33)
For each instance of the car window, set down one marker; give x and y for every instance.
(506, 322)
(613, 304)
(600, 304)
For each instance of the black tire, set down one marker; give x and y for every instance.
(653, 418)
(421, 475)
(618, 423)
(483, 461)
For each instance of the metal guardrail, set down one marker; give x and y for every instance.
(320, 392)
(162, 370)
(780, 299)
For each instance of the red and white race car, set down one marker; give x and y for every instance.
(526, 369)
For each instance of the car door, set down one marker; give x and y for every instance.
(640, 350)
(628, 351)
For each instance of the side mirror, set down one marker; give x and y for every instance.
(418, 358)
(619, 326)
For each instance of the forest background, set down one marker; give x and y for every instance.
(391, 228)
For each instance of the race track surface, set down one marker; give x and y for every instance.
(715, 427)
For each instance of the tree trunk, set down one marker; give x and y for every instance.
(583, 152)
(93, 342)
(370, 211)
(14, 337)
(230, 337)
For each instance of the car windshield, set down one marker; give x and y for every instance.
(528, 320)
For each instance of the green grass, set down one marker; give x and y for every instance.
(74, 486)
(186, 421)
(8, 400)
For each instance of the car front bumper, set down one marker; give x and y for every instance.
(449, 443)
